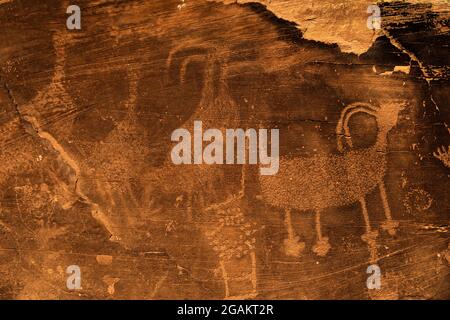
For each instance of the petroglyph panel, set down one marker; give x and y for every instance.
(93, 207)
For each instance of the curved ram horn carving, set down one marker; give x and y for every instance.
(342, 129)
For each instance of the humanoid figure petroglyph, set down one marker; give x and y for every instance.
(232, 234)
(325, 181)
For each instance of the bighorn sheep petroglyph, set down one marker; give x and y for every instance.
(324, 181)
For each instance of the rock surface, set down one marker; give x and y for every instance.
(86, 180)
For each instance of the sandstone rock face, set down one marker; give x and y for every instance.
(86, 178)
(341, 22)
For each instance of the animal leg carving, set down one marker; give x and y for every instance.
(292, 246)
(322, 245)
(389, 225)
(371, 235)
